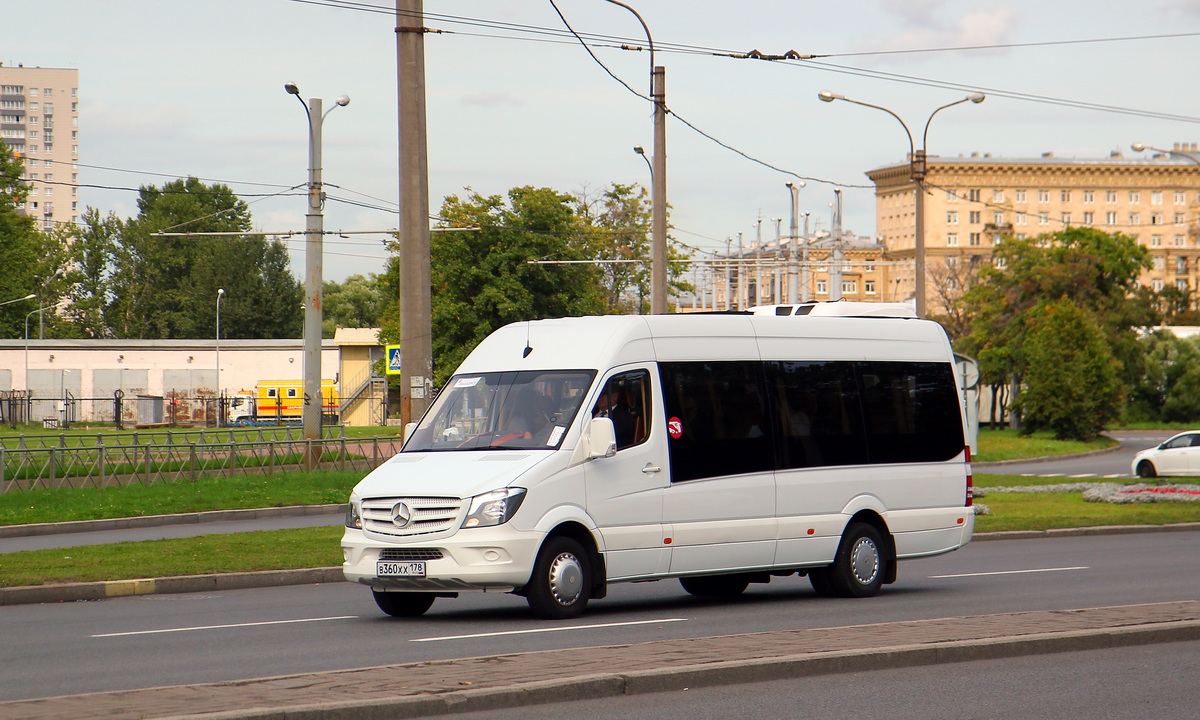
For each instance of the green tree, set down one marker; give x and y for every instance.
(618, 222)
(1095, 271)
(166, 287)
(1071, 383)
(33, 262)
(358, 302)
(92, 252)
(483, 279)
(1169, 388)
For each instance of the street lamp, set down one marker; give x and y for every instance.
(31, 314)
(794, 191)
(314, 402)
(220, 294)
(658, 178)
(1139, 147)
(30, 296)
(62, 398)
(916, 164)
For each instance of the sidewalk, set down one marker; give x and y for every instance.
(483, 683)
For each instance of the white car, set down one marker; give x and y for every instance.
(1179, 455)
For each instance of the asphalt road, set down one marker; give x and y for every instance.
(1113, 464)
(155, 640)
(1152, 681)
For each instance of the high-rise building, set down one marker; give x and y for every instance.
(39, 120)
(974, 201)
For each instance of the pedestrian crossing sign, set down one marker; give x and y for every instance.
(393, 359)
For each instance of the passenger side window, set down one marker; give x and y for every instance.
(626, 401)
(911, 412)
(820, 419)
(717, 419)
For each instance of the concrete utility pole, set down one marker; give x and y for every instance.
(835, 252)
(658, 219)
(416, 335)
(314, 263)
(794, 191)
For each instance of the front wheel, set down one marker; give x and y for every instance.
(562, 580)
(860, 565)
(1146, 470)
(403, 604)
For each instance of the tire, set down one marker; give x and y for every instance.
(562, 580)
(860, 565)
(819, 578)
(403, 604)
(1146, 470)
(715, 586)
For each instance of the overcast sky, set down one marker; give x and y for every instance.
(171, 88)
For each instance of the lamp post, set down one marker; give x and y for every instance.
(794, 191)
(30, 296)
(220, 294)
(62, 398)
(31, 314)
(314, 402)
(916, 168)
(658, 178)
(1139, 147)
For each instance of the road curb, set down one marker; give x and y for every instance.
(72, 592)
(1044, 458)
(715, 674)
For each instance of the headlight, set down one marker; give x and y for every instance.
(353, 514)
(494, 508)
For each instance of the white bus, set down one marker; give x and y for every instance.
(720, 449)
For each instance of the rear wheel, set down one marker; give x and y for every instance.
(717, 586)
(860, 565)
(403, 604)
(1146, 469)
(562, 580)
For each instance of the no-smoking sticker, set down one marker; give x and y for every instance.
(675, 428)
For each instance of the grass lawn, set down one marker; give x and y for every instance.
(179, 496)
(1007, 445)
(241, 552)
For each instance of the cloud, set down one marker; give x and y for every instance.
(495, 99)
(933, 24)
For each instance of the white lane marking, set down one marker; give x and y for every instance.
(1083, 475)
(1009, 572)
(547, 629)
(222, 627)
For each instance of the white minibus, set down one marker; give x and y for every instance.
(824, 440)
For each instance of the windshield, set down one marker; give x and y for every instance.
(502, 411)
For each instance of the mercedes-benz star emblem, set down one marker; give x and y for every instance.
(401, 515)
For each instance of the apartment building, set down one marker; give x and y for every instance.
(973, 201)
(39, 120)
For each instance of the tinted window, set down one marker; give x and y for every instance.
(820, 421)
(626, 401)
(717, 419)
(911, 412)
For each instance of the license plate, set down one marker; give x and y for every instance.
(400, 569)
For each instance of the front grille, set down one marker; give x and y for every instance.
(407, 554)
(427, 515)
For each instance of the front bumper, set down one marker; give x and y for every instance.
(496, 559)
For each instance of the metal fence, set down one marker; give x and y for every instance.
(100, 461)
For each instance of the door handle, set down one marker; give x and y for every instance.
(651, 469)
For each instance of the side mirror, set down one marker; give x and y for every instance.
(408, 431)
(602, 438)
